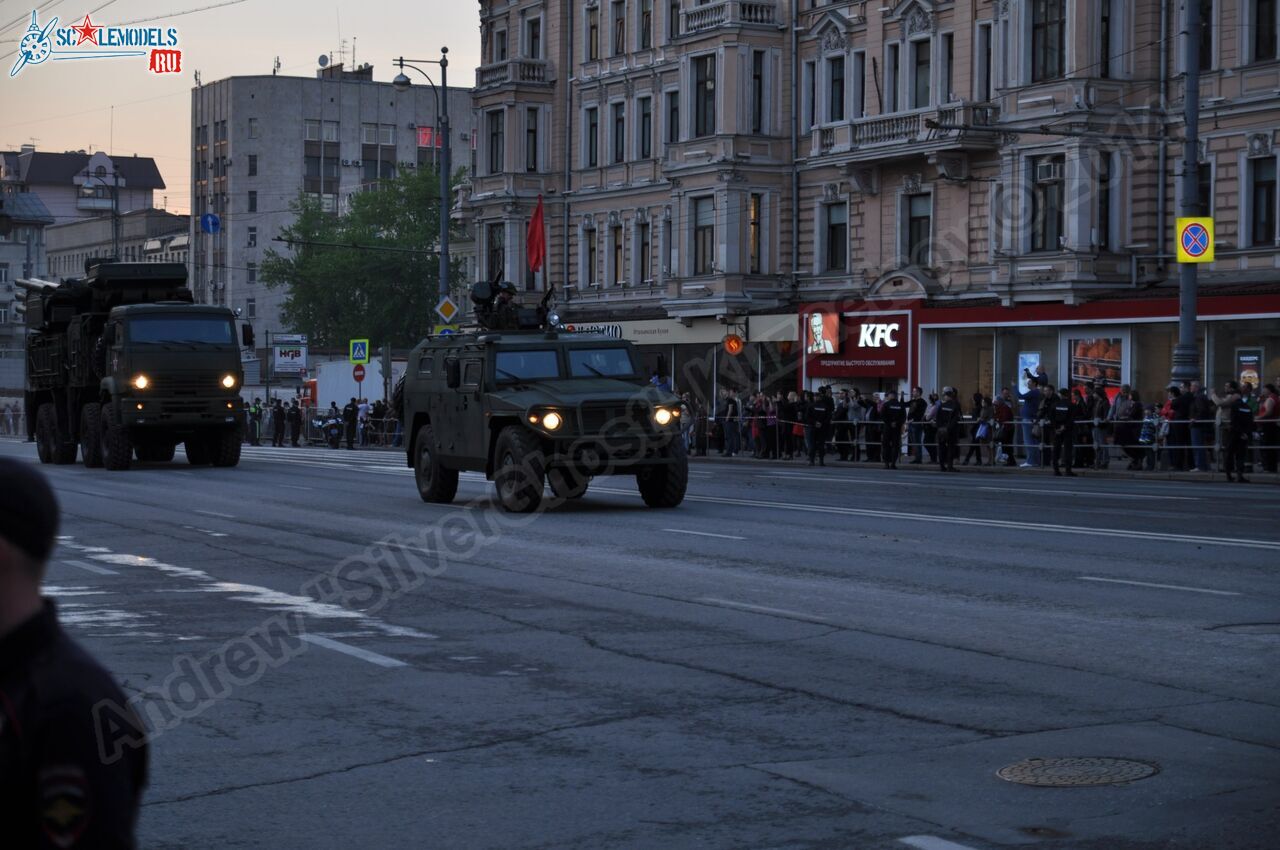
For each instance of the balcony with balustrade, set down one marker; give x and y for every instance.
(515, 72)
(901, 135)
(729, 13)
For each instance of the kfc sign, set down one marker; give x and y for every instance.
(878, 335)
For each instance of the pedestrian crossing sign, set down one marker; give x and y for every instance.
(1194, 240)
(358, 352)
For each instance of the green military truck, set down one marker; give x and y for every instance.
(121, 364)
(529, 404)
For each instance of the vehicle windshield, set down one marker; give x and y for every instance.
(600, 363)
(204, 330)
(527, 365)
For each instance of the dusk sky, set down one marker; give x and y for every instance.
(67, 105)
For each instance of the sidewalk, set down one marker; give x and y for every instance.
(904, 465)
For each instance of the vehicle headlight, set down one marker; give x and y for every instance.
(229, 381)
(552, 421)
(662, 416)
(142, 382)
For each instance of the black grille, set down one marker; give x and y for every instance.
(191, 382)
(613, 418)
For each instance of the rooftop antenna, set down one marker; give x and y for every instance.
(353, 52)
(197, 79)
(275, 67)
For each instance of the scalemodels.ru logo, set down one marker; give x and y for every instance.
(94, 41)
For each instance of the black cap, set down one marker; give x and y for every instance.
(28, 509)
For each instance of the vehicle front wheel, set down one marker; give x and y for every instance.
(567, 483)
(664, 485)
(117, 448)
(519, 471)
(46, 432)
(91, 435)
(224, 447)
(435, 482)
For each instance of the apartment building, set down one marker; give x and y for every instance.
(958, 188)
(259, 142)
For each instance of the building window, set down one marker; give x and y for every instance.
(252, 237)
(835, 88)
(533, 38)
(251, 308)
(919, 228)
(253, 128)
(646, 24)
(757, 91)
(496, 121)
(615, 247)
(311, 131)
(531, 140)
(253, 165)
(673, 20)
(593, 34)
(673, 117)
(644, 148)
(4, 272)
(946, 92)
(807, 116)
(1046, 203)
(891, 79)
(644, 252)
(836, 248)
(704, 95)
(704, 235)
(1262, 202)
(589, 256)
(1105, 199)
(495, 253)
(859, 85)
(982, 52)
(619, 133)
(251, 273)
(592, 142)
(499, 46)
(253, 201)
(619, 27)
(1104, 38)
(755, 205)
(1264, 30)
(1048, 39)
(921, 68)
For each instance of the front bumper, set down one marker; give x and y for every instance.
(179, 412)
(597, 454)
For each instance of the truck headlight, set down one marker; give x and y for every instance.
(142, 382)
(663, 416)
(229, 381)
(552, 421)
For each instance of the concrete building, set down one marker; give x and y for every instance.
(148, 235)
(23, 219)
(259, 142)
(76, 185)
(982, 183)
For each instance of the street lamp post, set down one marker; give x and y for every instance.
(402, 83)
(114, 186)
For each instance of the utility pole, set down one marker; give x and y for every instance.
(1186, 354)
(445, 165)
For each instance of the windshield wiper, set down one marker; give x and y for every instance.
(594, 369)
(513, 377)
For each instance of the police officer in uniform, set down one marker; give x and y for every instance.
(948, 423)
(818, 418)
(349, 414)
(893, 414)
(295, 423)
(277, 424)
(73, 758)
(1063, 412)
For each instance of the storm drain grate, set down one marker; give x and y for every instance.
(1076, 772)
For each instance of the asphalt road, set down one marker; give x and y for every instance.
(793, 658)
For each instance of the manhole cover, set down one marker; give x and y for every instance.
(1073, 772)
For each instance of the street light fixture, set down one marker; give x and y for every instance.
(401, 83)
(88, 191)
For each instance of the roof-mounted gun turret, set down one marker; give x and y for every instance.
(497, 310)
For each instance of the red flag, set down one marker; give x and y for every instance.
(536, 239)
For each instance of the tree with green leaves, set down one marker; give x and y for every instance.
(371, 272)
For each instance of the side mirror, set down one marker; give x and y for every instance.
(246, 335)
(453, 373)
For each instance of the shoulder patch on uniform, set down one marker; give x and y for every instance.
(64, 804)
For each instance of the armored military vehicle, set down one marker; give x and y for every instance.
(525, 402)
(122, 362)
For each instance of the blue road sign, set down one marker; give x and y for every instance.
(210, 223)
(1195, 240)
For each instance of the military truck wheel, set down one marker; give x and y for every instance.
(567, 483)
(435, 483)
(91, 435)
(663, 486)
(46, 432)
(518, 471)
(197, 450)
(117, 448)
(224, 447)
(155, 453)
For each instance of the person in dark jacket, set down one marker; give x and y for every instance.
(1060, 413)
(948, 422)
(349, 415)
(277, 424)
(73, 757)
(915, 424)
(818, 417)
(294, 418)
(1178, 443)
(893, 415)
(1239, 428)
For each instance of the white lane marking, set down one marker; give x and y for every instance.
(703, 534)
(93, 568)
(764, 609)
(83, 492)
(1162, 586)
(295, 487)
(354, 651)
(207, 531)
(1243, 543)
(931, 842)
(1091, 493)
(216, 513)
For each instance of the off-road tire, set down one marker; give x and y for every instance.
(663, 486)
(518, 470)
(197, 447)
(224, 447)
(117, 448)
(162, 453)
(435, 482)
(46, 432)
(567, 483)
(91, 435)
